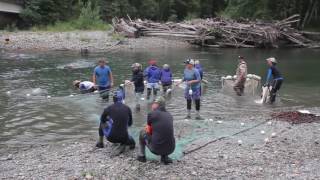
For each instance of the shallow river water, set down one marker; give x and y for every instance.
(35, 119)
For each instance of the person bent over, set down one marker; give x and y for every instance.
(158, 136)
(241, 73)
(137, 80)
(274, 78)
(166, 79)
(114, 123)
(84, 86)
(153, 75)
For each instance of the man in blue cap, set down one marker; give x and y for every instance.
(114, 123)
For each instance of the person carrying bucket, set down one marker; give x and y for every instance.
(193, 89)
(274, 78)
(241, 74)
(166, 79)
(103, 79)
(158, 136)
(114, 123)
(153, 75)
(137, 80)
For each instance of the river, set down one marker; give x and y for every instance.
(37, 119)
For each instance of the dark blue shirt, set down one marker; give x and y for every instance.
(273, 73)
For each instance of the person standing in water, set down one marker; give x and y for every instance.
(158, 135)
(153, 75)
(103, 79)
(198, 66)
(274, 78)
(241, 73)
(137, 80)
(193, 88)
(166, 79)
(114, 123)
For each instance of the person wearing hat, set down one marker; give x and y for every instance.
(137, 80)
(241, 73)
(103, 79)
(274, 78)
(166, 78)
(193, 89)
(84, 86)
(114, 123)
(158, 136)
(152, 74)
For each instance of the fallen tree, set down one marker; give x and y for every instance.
(220, 32)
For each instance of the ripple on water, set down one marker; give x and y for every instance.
(69, 117)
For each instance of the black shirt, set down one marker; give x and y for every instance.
(137, 79)
(162, 141)
(122, 118)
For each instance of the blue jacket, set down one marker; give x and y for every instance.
(166, 77)
(199, 68)
(152, 74)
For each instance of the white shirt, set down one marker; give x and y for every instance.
(86, 85)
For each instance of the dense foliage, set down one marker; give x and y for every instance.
(46, 12)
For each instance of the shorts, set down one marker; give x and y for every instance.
(153, 86)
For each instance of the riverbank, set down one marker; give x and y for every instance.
(292, 154)
(93, 41)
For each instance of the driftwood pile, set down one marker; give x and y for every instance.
(219, 32)
(295, 117)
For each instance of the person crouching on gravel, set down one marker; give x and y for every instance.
(158, 135)
(114, 123)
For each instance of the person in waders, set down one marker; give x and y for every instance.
(137, 80)
(166, 79)
(158, 136)
(152, 74)
(114, 123)
(192, 78)
(274, 78)
(103, 79)
(241, 74)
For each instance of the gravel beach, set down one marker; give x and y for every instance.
(293, 153)
(76, 40)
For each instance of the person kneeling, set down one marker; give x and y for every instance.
(114, 124)
(158, 135)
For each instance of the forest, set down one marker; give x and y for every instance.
(50, 12)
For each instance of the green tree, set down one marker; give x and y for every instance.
(46, 12)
